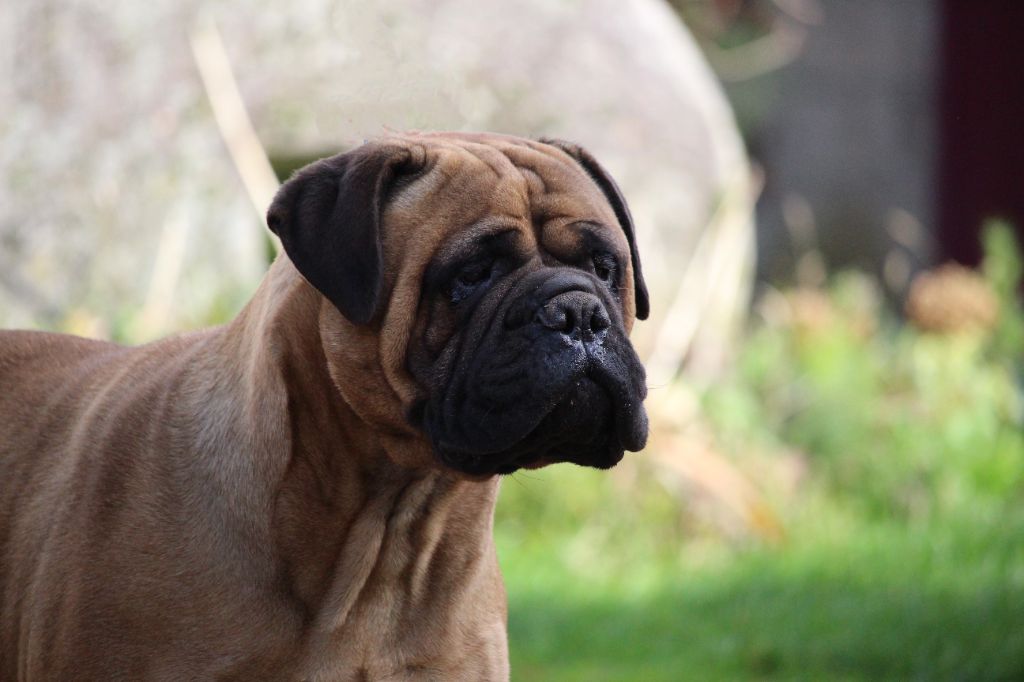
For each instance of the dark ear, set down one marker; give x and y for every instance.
(328, 218)
(611, 190)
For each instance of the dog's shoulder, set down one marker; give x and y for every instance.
(27, 351)
(34, 365)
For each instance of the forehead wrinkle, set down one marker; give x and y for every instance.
(502, 154)
(452, 166)
(560, 191)
(554, 188)
(535, 184)
(538, 157)
(562, 178)
(488, 150)
(541, 165)
(488, 154)
(455, 155)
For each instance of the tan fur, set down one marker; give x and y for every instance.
(249, 502)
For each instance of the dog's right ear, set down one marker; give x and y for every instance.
(328, 218)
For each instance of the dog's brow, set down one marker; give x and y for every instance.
(592, 228)
(497, 237)
(478, 238)
(588, 236)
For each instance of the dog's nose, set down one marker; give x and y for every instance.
(574, 313)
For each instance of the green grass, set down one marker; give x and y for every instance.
(844, 598)
(903, 552)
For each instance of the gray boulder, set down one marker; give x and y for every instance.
(119, 197)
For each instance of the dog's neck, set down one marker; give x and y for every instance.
(346, 520)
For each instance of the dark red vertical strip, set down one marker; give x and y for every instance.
(982, 129)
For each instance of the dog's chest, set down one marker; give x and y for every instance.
(374, 649)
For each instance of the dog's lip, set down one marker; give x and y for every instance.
(613, 453)
(628, 414)
(607, 452)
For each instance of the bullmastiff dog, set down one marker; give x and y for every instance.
(308, 491)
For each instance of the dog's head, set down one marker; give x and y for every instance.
(479, 291)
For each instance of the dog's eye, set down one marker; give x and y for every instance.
(474, 275)
(469, 279)
(605, 267)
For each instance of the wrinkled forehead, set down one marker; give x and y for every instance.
(474, 180)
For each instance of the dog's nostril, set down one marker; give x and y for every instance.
(555, 317)
(599, 318)
(574, 311)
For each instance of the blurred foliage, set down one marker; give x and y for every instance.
(1004, 269)
(903, 556)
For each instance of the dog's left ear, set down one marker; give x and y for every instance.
(328, 218)
(614, 195)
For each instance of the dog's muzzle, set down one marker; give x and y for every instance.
(552, 377)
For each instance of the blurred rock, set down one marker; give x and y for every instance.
(108, 150)
(111, 140)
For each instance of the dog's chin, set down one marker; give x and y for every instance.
(583, 428)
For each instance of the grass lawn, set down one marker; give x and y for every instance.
(840, 600)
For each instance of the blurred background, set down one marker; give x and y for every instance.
(829, 195)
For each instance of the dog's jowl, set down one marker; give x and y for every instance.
(307, 492)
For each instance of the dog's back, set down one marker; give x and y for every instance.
(42, 380)
(34, 366)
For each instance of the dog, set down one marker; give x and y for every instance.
(308, 491)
